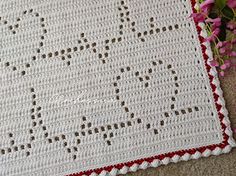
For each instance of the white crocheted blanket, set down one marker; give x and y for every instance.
(105, 87)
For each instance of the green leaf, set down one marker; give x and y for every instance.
(225, 20)
(228, 12)
(213, 15)
(220, 4)
(222, 34)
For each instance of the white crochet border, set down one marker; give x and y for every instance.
(186, 156)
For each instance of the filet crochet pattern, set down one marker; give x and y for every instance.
(104, 87)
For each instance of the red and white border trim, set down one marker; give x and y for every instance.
(182, 155)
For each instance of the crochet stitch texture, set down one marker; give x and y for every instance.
(111, 84)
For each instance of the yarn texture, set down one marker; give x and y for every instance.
(105, 87)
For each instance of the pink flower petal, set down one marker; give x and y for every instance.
(233, 54)
(222, 50)
(233, 41)
(222, 73)
(228, 63)
(214, 63)
(231, 25)
(231, 3)
(213, 36)
(216, 22)
(223, 67)
(210, 38)
(219, 44)
(216, 31)
(206, 5)
(198, 17)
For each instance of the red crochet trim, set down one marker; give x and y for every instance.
(181, 152)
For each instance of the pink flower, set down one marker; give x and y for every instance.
(233, 63)
(231, 3)
(222, 73)
(223, 67)
(213, 35)
(224, 47)
(233, 54)
(231, 25)
(214, 63)
(216, 31)
(223, 50)
(216, 22)
(198, 17)
(228, 63)
(206, 5)
(220, 44)
(233, 41)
